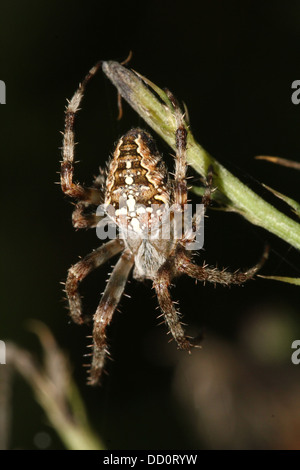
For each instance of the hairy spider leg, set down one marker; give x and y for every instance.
(191, 232)
(91, 195)
(82, 220)
(172, 317)
(104, 313)
(214, 275)
(166, 272)
(80, 270)
(180, 186)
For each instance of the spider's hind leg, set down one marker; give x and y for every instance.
(104, 314)
(161, 285)
(81, 269)
(214, 275)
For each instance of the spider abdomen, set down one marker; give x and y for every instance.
(137, 183)
(137, 172)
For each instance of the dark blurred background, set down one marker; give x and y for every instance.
(233, 64)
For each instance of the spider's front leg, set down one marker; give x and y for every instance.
(104, 314)
(91, 195)
(82, 220)
(161, 285)
(208, 190)
(81, 269)
(180, 186)
(214, 275)
(194, 229)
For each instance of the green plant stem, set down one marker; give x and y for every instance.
(158, 113)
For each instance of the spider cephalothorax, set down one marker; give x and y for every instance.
(135, 195)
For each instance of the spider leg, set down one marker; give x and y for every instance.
(193, 229)
(214, 275)
(75, 190)
(161, 285)
(81, 269)
(82, 220)
(206, 198)
(180, 186)
(104, 314)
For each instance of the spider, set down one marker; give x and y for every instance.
(136, 174)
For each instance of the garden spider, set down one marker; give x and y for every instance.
(136, 174)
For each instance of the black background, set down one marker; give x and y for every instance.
(233, 64)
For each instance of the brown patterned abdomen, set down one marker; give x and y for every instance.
(137, 172)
